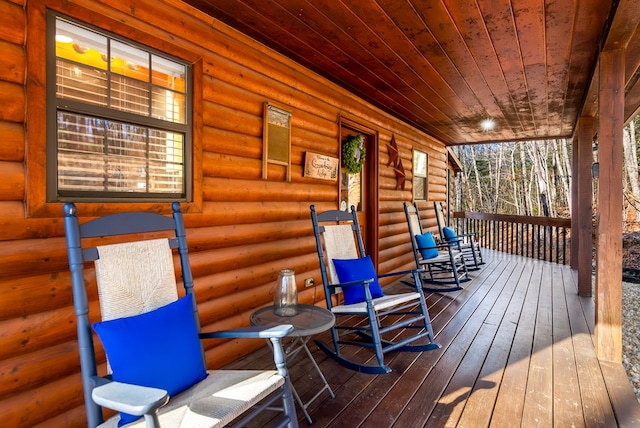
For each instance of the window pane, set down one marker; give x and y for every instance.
(419, 188)
(419, 163)
(95, 155)
(168, 74)
(80, 83)
(129, 95)
(168, 105)
(80, 45)
(129, 61)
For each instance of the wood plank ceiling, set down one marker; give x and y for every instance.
(442, 65)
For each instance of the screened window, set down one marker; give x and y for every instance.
(118, 121)
(419, 175)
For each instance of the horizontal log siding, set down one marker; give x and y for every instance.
(245, 230)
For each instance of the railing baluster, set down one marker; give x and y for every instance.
(564, 246)
(545, 232)
(557, 235)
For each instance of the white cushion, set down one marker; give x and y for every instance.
(379, 304)
(214, 402)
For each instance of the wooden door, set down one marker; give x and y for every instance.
(361, 189)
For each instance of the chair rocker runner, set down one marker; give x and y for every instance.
(365, 316)
(467, 242)
(443, 265)
(152, 338)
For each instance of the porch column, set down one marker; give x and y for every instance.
(573, 261)
(581, 212)
(608, 326)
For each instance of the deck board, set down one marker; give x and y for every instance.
(510, 399)
(517, 350)
(567, 407)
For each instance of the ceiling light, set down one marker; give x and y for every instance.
(488, 124)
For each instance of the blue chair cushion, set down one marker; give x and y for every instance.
(427, 245)
(357, 270)
(159, 349)
(450, 235)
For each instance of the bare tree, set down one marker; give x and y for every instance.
(474, 163)
(540, 169)
(497, 180)
(526, 182)
(631, 165)
(514, 182)
(561, 175)
(566, 161)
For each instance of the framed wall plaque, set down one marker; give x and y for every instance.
(276, 139)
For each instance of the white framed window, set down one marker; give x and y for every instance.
(420, 169)
(118, 117)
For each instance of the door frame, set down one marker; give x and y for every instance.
(371, 199)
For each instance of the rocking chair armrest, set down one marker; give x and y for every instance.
(255, 332)
(463, 237)
(128, 398)
(438, 246)
(353, 283)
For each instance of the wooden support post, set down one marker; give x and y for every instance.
(581, 222)
(575, 203)
(608, 327)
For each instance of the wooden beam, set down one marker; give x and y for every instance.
(625, 23)
(582, 188)
(608, 330)
(575, 203)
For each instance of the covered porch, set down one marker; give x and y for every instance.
(524, 342)
(517, 350)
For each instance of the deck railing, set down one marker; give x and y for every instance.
(543, 238)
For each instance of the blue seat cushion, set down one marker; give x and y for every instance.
(357, 270)
(427, 245)
(160, 349)
(450, 235)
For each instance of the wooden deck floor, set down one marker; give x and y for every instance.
(517, 350)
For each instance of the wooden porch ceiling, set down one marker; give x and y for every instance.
(446, 65)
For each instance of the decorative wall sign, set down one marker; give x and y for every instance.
(394, 159)
(320, 166)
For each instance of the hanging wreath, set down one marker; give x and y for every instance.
(353, 153)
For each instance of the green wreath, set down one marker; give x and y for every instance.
(353, 153)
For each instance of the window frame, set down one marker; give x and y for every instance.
(36, 204)
(56, 105)
(421, 176)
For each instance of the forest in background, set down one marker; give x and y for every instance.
(533, 178)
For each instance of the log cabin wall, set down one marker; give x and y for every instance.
(241, 228)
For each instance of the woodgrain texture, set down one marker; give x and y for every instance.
(243, 230)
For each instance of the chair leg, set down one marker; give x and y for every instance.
(477, 248)
(288, 405)
(335, 353)
(455, 279)
(476, 265)
(375, 333)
